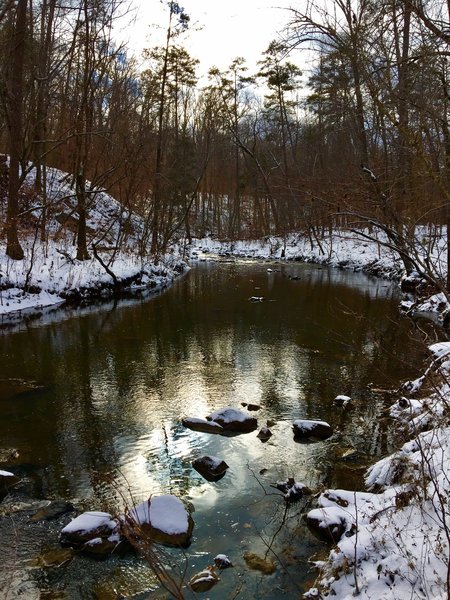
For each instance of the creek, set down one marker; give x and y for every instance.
(104, 429)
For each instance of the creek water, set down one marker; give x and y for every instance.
(105, 429)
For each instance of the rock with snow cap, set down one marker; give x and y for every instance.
(309, 429)
(343, 401)
(163, 519)
(233, 419)
(328, 524)
(292, 490)
(204, 581)
(210, 467)
(88, 526)
(222, 561)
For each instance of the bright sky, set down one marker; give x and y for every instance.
(229, 28)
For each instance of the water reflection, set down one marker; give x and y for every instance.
(107, 426)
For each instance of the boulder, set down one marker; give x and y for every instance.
(328, 524)
(163, 519)
(307, 429)
(204, 581)
(210, 467)
(87, 527)
(202, 425)
(233, 419)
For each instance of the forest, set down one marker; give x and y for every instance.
(363, 139)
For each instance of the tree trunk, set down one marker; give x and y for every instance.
(15, 119)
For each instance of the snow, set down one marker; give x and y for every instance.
(166, 513)
(342, 398)
(90, 521)
(341, 249)
(50, 273)
(440, 349)
(229, 415)
(308, 425)
(6, 474)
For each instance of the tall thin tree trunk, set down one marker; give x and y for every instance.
(15, 120)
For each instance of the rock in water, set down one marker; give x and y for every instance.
(202, 425)
(308, 429)
(204, 581)
(163, 519)
(101, 547)
(344, 401)
(264, 434)
(52, 511)
(88, 526)
(210, 467)
(258, 563)
(233, 419)
(292, 490)
(222, 561)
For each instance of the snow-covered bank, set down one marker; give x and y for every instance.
(395, 539)
(49, 274)
(51, 277)
(342, 249)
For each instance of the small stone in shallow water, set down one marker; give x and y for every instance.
(292, 490)
(264, 434)
(344, 401)
(52, 511)
(222, 561)
(210, 467)
(257, 563)
(56, 557)
(252, 406)
(88, 526)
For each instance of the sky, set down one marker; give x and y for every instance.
(220, 30)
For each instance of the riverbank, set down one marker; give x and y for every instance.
(391, 541)
(49, 275)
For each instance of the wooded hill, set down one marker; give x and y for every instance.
(363, 138)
